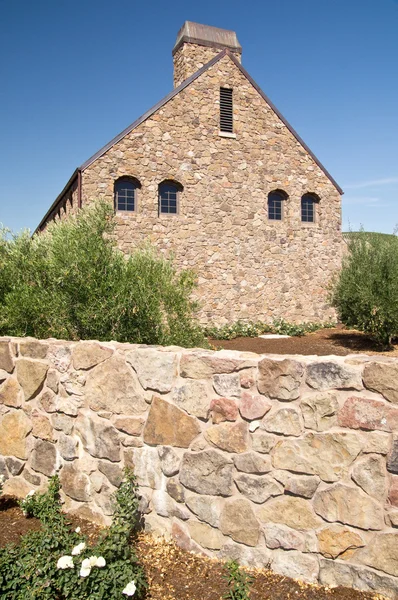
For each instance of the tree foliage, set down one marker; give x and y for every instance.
(366, 291)
(71, 282)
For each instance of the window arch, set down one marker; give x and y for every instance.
(308, 204)
(169, 197)
(125, 194)
(275, 205)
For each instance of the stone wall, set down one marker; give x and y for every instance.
(287, 462)
(249, 267)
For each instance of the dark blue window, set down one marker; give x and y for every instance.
(168, 197)
(126, 194)
(275, 200)
(308, 208)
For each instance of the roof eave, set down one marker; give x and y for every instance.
(58, 198)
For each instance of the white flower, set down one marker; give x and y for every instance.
(77, 530)
(93, 560)
(85, 572)
(78, 549)
(65, 562)
(130, 588)
(31, 493)
(101, 562)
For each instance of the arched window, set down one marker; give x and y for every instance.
(308, 203)
(275, 205)
(169, 197)
(126, 194)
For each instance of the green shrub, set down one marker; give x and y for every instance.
(56, 563)
(366, 292)
(71, 282)
(239, 582)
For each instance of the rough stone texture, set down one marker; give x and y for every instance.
(280, 378)
(253, 407)
(16, 487)
(167, 507)
(229, 437)
(370, 474)
(382, 378)
(350, 506)
(68, 447)
(14, 466)
(32, 348)
(327, 455)
(205, 535)
(336, 541)
(42, 426)
(280, 536)
(130, 425)
(169, 461)
(227, 385)
(376, 443)
(206, 508)
(175, 490)
(155, 370)
(168, 425)
(10, 393)
(295, 564)
(31, 375)
(239, 522)
(99, 438)
(6, 362)
(251, 462)
(263, 442)
(296, 513)
(257, 489)
(113, 385)
(74, 482)
(44, 458)
(320, 410)
(381, 553)
(393, 491)
(366, 413)
(244, 555)
(14, 428)
(285, 421)
(298, 485)
(87, 355)
(327, 375)
(392, 460)
(334, 573)
(223, 409)
(207, 472)
(194, 398)
(62, 422)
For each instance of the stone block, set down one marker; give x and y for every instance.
(382, 378)
(296, 565)
(206, 536)
(14, 429)
(86, 355)
(10, 393)
(338, 541)
(41, 426)
(392, 459)
(320, 410)
(44, 458)
(253, 406)
(129, 425)
(31, 375)
(231, 437)
(370, 474)
(67, 446)
(326, 375)
(258, 489)
(74, 482)
(285, 421)
(6, 362)
(175, 490)
(156, 370)
(238, 520)
(208, 472)
(194, 397)
(168, 425)
(14, 466)
(279, 536)
(334, 573)
(369, 414)
(227, 384)
(296, 513)
(381, 553)
(206, 508)
(32, 348)
(223, 409)
(251, 462)
(350, 506)
(263, 442)
(99, 437)
(169, 461)
(280, 379)
(297, 485)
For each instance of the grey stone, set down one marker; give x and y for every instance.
(239, 521)
(74, 482)
(297, 485)
(250, 557)
(146, 464)
(279, 536)
(67, 446)
(62, 422)
(14, 466)
(257, 488)
(392, 460)
(280, 379)
(156, 370)
(167, 507)
(44, 458)
(227, 384)
(207, 472)
(169, 461)
(99, 437)
(327, 375)
(112, 471)
(296, 565)
(284, 421)
(194, 397)
(263, 442)
(251, 462)
(175, 490)
(32, 477)
(334, 573)
(206, 508)
(370, 474)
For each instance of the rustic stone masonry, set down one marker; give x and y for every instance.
(286, 462)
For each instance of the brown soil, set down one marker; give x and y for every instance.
(324, 342)
(174, 574)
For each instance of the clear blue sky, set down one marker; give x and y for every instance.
(74, 73)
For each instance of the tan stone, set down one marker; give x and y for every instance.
(14, 428)
(74, 482)
(257, 488)
(10, 393)
(86, 355)
(208, 472)
(194, 397)
(169, 426)
(280, 378)
(294, 512)
(6, 362)
(31, 375)
(17, 486)
(348, 505)
(336, 540)
(263, 442)
(205, 535)
(325, 454)
(42, 427)
(112, 385)
(130, 425)
(285, 421)
(231, 437)
(296, 565)
(99, 437)
(251, 462)
(370, 474)
(381, 553)
(320, 410)
(239, 522)
(33, 348)
(156, 370)
(382, 378)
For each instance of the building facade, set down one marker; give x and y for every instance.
(216, 176)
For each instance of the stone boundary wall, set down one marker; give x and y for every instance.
(286, 462)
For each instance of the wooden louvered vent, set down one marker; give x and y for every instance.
(226, 119)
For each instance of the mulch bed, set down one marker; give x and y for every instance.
(324, 342)
(174, 574)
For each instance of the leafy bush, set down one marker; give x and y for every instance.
(56, 563)
(239, 582)
(71, 282)
(366, 292)
(251, 329)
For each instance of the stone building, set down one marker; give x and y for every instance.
(215, 175)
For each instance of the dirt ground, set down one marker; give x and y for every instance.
(174, 574)
(324, 342)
